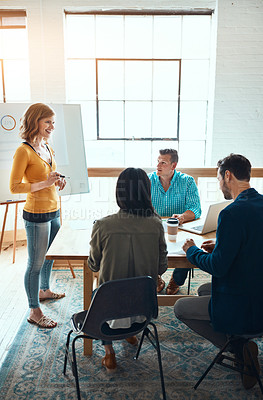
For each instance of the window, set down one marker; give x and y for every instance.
(14, 74)
(143, 84)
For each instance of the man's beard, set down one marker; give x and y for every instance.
(226, 192)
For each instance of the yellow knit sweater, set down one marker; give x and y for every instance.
(28, 167)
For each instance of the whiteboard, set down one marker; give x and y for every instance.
(67, 142)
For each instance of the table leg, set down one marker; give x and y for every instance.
(87, 287)
(3, 227)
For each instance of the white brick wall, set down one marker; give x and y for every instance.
(238, 107)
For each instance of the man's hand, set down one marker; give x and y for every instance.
(180, 218)
(188, 243)
(208, 246)
(185, 217)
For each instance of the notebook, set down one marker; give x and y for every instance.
(209, 224)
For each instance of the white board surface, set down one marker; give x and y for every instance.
(67, 142)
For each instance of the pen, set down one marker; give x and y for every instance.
(63, 176)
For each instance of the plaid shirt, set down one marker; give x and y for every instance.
(182, 195)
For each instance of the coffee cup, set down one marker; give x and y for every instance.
(172, 229)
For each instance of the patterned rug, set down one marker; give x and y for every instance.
(32, 369)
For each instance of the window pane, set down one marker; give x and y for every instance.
(13, 43)
(196, 36)
(111, 119)
(138, 119)
(165, 80)
(167, 37)
(193, 120)
(17, 87)
(81, 80)
(165, 119)
(111, 80)
(80, 36)
(191, 153)
(195, 78)
(109, 36)
(108, 152)
(138, 80)
(137, 154)
(138, 37)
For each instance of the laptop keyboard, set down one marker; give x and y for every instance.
(198, 228)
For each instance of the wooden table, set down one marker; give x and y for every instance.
(177, 260)
(73, 244)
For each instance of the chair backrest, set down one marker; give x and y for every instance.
(120, 298)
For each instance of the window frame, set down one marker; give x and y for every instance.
(9, 14)
(97, 60)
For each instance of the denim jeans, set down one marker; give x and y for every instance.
(37, 276)
(180, 275)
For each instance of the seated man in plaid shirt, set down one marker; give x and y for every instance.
(174, 194)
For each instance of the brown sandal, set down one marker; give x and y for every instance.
(44, 322)
(54, 296)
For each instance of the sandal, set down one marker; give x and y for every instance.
(54, 296)
(44, 322)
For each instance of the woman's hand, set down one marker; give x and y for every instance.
(52, 178)
(61, 183)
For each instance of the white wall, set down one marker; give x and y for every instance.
(238, 108)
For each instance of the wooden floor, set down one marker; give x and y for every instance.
(13, 303)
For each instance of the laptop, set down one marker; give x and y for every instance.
(209, 224)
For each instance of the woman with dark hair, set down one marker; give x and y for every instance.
(129, 243)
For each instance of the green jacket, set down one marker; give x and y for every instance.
(125, 245)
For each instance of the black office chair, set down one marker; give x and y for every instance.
(236, 365)
(113, 300)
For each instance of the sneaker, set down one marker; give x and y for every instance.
(160, 284)
(172, 287)
(132, 340)
(248, 380)
(109, 362)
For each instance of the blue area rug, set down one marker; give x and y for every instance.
(33, 367)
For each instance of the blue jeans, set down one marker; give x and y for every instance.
(37, 276)
(180, 275)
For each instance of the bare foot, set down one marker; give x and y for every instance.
(36, 314)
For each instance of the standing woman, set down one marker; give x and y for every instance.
(34, 172)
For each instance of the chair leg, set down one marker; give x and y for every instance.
(254, 369)
(159, 358)
(66, 352)
(140, 346)
(212, 364)
(75, 368)
(189, 281)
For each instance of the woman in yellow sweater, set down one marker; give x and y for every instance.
(34, 172)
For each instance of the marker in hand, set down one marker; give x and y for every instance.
(63, 176)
